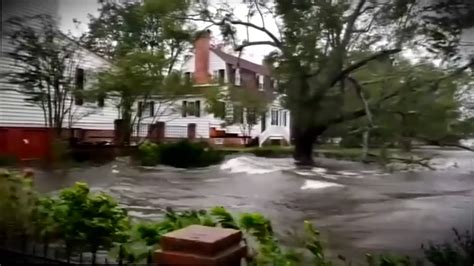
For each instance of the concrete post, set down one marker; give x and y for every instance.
(201, 245)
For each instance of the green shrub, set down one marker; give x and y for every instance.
(17, 202)
(149, 154)
(459, 253)
(185, 154)
(81, 219)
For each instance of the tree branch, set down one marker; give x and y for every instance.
(246, 44)
(446, 144)
(361, 63)
(351, 23)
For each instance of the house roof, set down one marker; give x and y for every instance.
(242, 63)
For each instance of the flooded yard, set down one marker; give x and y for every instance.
(359, 208)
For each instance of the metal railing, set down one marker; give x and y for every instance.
(24, 250)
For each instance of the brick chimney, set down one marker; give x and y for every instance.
(201, 60)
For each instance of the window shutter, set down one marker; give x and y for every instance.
(152, 108)
(185, 105)
(221, 110)
(79, 100)
(198, 108)
(101, 99)
(140, 108)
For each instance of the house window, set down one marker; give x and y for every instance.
(188, 76)
(221, 76)
(151, 108)
(146, 109)
(191, 108)
(237, 77)
(78, 97)
(274, 114)
(285, 117)
(139, 109)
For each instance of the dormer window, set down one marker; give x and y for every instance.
(221, 76)
(188, 76)
(260, 79)
(237, 77)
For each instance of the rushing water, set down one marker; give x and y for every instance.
(359, 208)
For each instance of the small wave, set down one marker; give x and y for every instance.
(255, 165)
(314, 184)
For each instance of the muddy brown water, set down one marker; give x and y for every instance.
(358, 208)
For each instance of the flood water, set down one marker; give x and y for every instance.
(359, 208)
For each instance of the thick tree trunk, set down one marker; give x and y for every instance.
(304, 142)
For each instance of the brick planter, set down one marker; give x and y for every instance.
(201, 245)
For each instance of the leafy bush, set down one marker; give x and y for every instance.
(183, 154)
(149, 154)
(17, 202)
(82, 219)
(258, 234)
(461, 253)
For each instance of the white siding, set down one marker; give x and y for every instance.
(14, 111)
(175, 122)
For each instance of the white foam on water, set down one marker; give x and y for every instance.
(319, 170)
(347, 173)
(255, 165)
(329, 176)
(304, 173)
(314, 184)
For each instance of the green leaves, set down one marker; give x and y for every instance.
(18, 199)
(82, 219)
(154, 26)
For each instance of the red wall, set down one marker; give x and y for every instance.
(25, 143)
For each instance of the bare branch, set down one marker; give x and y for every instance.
(351, 23)
(247, 44)
(260, 12)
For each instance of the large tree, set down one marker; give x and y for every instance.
(146, 42)
(151, 26)
(427, 106)
(139, 82)
(320, 45)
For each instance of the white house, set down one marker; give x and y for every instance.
(22, 125)
(206, 66)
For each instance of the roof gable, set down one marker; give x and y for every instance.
(242, 63)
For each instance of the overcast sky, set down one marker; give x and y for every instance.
(79, 9)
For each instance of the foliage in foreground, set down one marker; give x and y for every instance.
(81, 219)
(183, 154)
